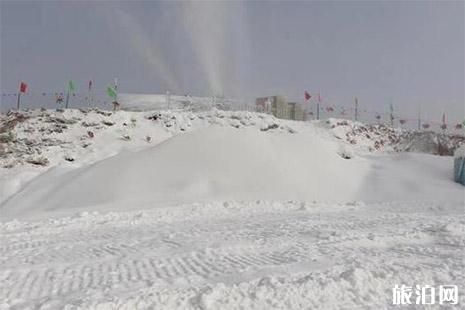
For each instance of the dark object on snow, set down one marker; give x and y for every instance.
(345, 155)
(59, 120)
(154, 117)
(272, 126)
(108, 123)
(90, 134)
(91, 124)
(104, 113)
(42, 161)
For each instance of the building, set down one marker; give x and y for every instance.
(296, 111)
(263, 105)
(280, 108)
(276, 105)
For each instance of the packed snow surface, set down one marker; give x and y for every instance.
(219, 210)
(233, 255)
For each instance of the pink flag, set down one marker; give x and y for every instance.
(307, 96)
(23, 87)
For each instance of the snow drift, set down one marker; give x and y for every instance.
(219, 164)
(206, 164)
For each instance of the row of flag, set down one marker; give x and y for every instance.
(111, 90)
(402, 121)
(112, 93)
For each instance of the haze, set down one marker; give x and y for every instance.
(405, 53)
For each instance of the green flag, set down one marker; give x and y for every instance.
(71, 86)
(111, 92)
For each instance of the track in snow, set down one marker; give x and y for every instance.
(59, 261)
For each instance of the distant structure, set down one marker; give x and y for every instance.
(280, 108)
(296, 112)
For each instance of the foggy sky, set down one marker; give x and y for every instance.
(406, 53)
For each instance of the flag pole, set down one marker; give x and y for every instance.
(67, 99)
(391, 107)
(356, 108)
(22, 89)
(89, 85)
(90, 97)
(419, 117)
(318, 107)
(116, 89)
(444, 126)
(19, 99)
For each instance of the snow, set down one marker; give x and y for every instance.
(220, 210)
(149, 102)
(232, 255)
(225, 164)
(220, 164)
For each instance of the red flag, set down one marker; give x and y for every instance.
(307, 96)
(23, 87)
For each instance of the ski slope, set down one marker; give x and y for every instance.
(221, 210)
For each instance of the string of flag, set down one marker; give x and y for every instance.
(355, 111)
(66, 96)
(70, 95)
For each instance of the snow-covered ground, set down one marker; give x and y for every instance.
(220, 210)
(233, 255)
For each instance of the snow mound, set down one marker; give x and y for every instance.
(364, 137)
(380, 137)
(430, 142)
(206, 164)
(46, 138)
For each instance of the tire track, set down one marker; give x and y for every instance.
(72, 262)
(39, 283)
